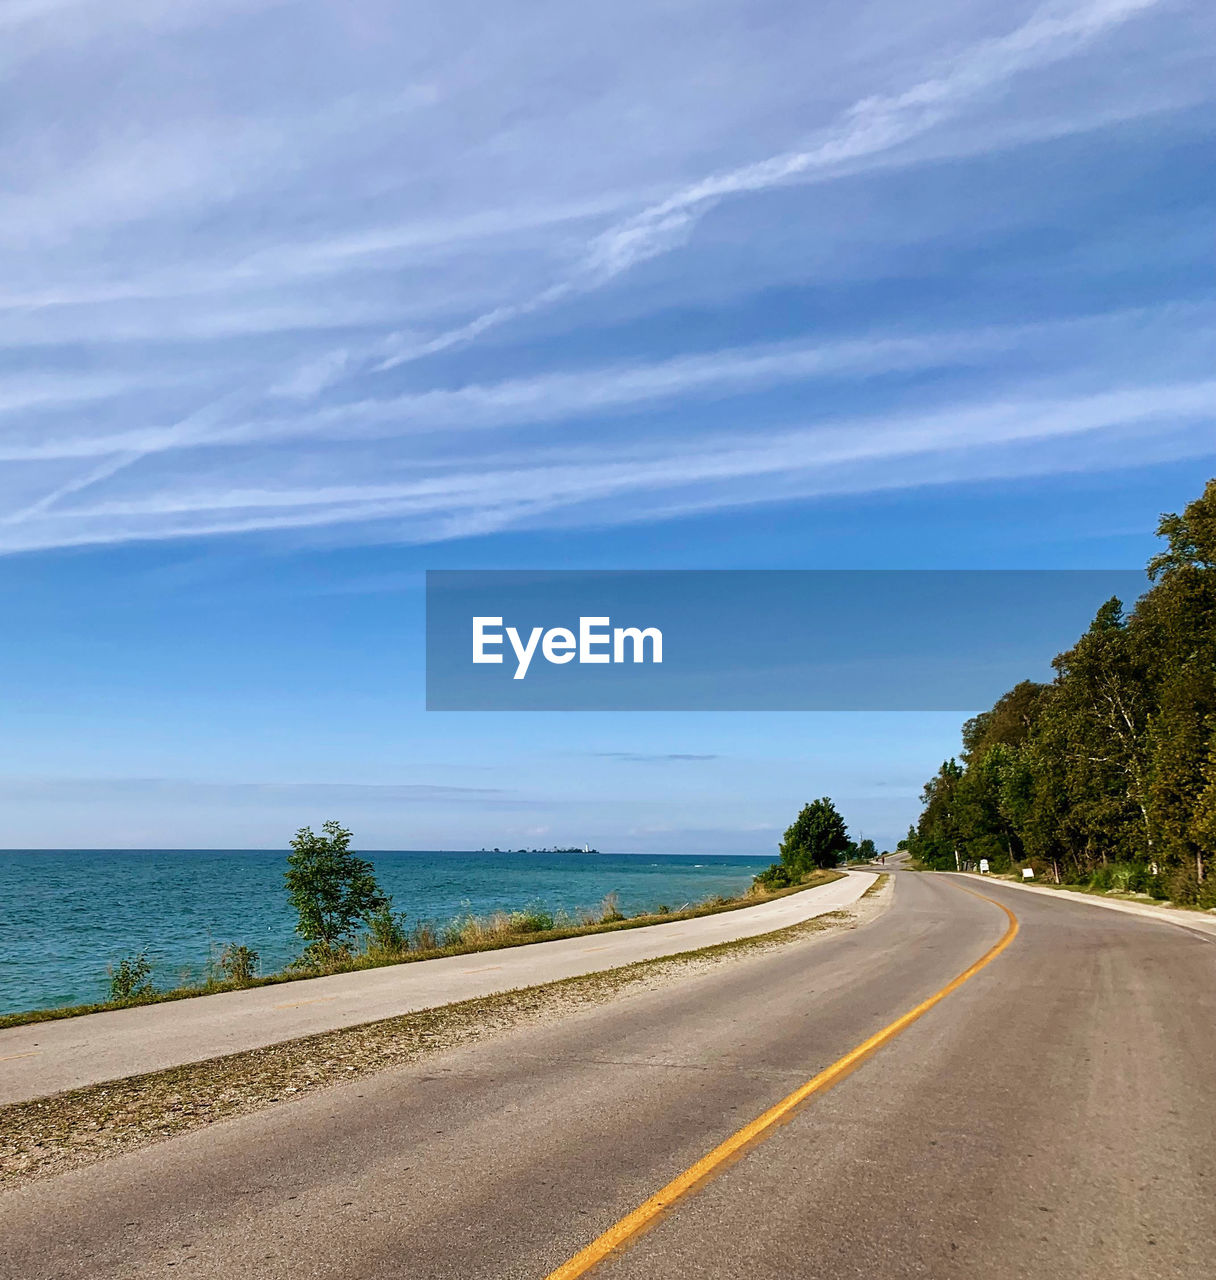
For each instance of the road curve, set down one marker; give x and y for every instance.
(1052, 1117)
(41, 1058)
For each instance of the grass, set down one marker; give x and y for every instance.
(48, 1136)
(466, 935)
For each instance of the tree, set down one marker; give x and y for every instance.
(1007, 724)
(1203, 824)
(935, 837)
(867, 850)
(1190, 537)
(1107, 774)
(332, 890)
(817, 838)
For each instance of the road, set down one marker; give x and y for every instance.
(48, 1057)
(1054, 1116)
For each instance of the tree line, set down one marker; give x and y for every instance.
(1107, 774)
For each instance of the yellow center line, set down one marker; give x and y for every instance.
(12, 1057)
(649, 1211)
(488, 968)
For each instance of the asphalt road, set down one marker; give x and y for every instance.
(47, 1057)
(1053, 1117)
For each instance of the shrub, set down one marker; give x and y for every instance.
(1101, 878)
(610, 910)
(386, 932)
(132, 979)
(1183, 885)
(662, 909)
(499, 926)
(1137, 878)
(461, 932)
(322, 957)
(776, 876)
(424, 937)
(238, 963)
(534, 919)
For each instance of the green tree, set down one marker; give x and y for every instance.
(1104, 696)
(935, 837)
(1190, 537)
(867, 850)
(332, 890)
(1203, 825)
(1108, 771)
(817, 838)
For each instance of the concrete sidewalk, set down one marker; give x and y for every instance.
(47, 1057)
(1196, 921)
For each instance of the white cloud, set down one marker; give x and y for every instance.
(459, 497)
(242, 268)
(872, 127)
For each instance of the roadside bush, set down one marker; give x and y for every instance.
(499, 926)
(323, 957)
(776, 876)
(533, 919)
(132, 979)
(1137, 877)
(386, 932)
(1183, 885)
(1120, 877)
(238, 963)
(462, 931)
(424, 937)
(1101, 878)
(610, 910)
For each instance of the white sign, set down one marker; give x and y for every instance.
(1027, 873)
(983, 866)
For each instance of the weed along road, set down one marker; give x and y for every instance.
(856, 1109)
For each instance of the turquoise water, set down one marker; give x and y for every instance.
(65, 915)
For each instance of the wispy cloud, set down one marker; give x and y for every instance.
(393, 298)
(576, 396)
(455, 498)
(870, 128)
(315, 793)
(655, 757)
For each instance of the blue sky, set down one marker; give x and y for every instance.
(298, 300)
